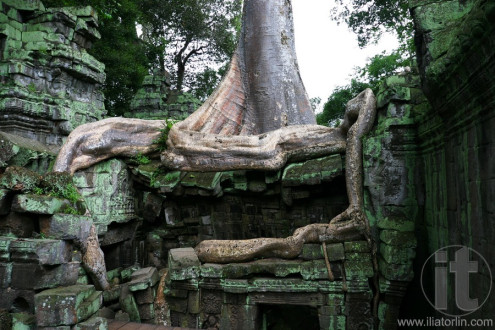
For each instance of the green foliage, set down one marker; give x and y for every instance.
(370, 18)
(32, 88)
(141, 159)
(315, 103)
(69, 210)
(370, 76)
(38, 191)
(162, 140)
(334, 108)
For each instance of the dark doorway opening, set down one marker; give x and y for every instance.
(288, 317)
(3, 40)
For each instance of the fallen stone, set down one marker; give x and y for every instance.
(145, 296)
(111, 294)
(122, 316)
(143, 278)
(128, 304)
(146, 311)
(183, 263)
(39, 204)
(66, 227)
(94, 323)
(66, 305)
(106, 313)
(40, 251)
(31, 276)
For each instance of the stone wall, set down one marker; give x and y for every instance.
(455, 43)
(49, 82)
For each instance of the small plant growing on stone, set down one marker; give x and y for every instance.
(162, 140)
(69, 210)
(141, 159)
(38, 191)
(32, 88)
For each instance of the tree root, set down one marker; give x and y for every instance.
(227, 251)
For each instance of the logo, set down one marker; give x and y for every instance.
(455, 269)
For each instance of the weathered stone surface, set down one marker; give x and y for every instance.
(32, 276)
(39, 204)
(145, 296)
(5, 248)
(23, 321)
(17, 301)
(335, 252)
(107, 190)
(183, 264)
(128, 304)
(49, 81)
(66, 226)
(155, 100)
(398, 239)
(5, 274)
(311, 252)
(40, 251)
(94, 323)
(66, 305)
(19, 179)
(143, 279)
(313, 172)
(18, 225)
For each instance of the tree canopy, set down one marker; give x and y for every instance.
(370, 18)
(369, 76)
(191, 37)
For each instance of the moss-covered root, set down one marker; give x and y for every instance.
(94, 261)
(227, 251)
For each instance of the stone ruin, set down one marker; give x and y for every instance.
(426, 167)
(49, 82)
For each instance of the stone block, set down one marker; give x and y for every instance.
(5, 248)
(313, 172)
(94, 323)
(23, 321)
(128, 303)
(396, 255)
(111, 294)
(19, 179)
(146, 311)
(332, 322)
(177, 304)
(143, 278)
(66, 226)
(396, 272)
(193, 302)
(356, 246)
(311, 252)
(183, 263)
(358, 269)
(335, 252)
(66, 305)
(17, 301)
(399, 238)
(146, 296)
(5, 274)
(42, 251)
(35, 277)
(38, 204)
(396, 223)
